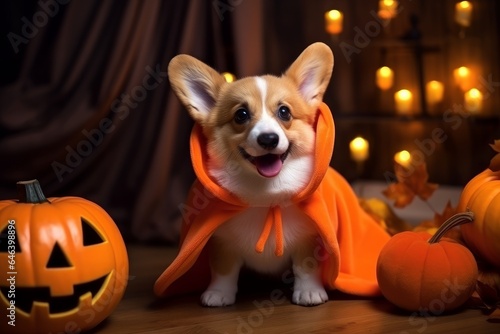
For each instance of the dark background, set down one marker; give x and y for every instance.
(85, 106)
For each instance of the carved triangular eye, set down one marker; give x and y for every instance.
(57, 258)
(90, 235)
(8, 237)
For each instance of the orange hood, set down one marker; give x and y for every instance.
(350, 240)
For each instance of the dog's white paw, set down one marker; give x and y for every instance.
(215, 298)
(309, 297)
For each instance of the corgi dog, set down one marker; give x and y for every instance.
(260, 146)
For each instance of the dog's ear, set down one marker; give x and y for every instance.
(311, 72)
(195, 84)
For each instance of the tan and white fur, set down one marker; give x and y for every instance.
(260, 144)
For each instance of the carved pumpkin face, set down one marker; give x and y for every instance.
(69, 264)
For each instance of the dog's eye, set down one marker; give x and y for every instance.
(241, 116)
(284, 113)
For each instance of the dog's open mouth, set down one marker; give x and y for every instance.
(268, 165)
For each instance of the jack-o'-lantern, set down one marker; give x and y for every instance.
(66, 263)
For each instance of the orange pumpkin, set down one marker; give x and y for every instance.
(417, 271)
(482, 196)
(67, 263)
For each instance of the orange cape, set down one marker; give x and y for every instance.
(350, 240)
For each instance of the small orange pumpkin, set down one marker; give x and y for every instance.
(66, 263)
(482, 196)
(417, 271)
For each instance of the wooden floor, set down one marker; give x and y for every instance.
(141, 312)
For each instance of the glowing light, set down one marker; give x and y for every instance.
(384, 78)
(359, 148)
(229, 76)
(387, 9)
(434, 91)
(403, 158)
(333, 21)
(463, 11)
(462, 77)
(473, 100)
(403, 99)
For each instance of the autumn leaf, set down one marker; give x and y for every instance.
(383, 214)
(495, 162)
(448, 211)
(411, 182)
(487, 293)
(489, 300)
(400, 194)
(433, 224)
(496, 145)
(426, 226)
(495, 315)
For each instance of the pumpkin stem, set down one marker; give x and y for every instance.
(453, 221)
(30, 192)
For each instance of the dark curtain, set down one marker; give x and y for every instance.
(86, 107)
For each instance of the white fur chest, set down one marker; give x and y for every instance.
(242, 233)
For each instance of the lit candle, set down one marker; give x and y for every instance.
(359, 149)
(403, 158)
(434, 92)
(463, 10)
(403, 99)
(333, 22)
(473, 100)
(387, 9)
(384, 78)
(229, 77)
(462, 77)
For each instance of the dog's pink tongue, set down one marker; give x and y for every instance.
(268, 165)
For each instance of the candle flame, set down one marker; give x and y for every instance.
(358, 143)
(334, 14)
(403, 158)
(464, 4)
(384, 77)
(435, 84)
(463, 12)
(387, 9)
(463, 71)
(473, 100)
(475, 93)
(434, 90)
(359, 149)
(229, 77)
(404, 94)
(385, 71)
(462, 77)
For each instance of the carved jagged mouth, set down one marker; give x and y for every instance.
(25, 297)
(268, 165)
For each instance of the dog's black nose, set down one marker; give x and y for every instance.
(268, 140)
